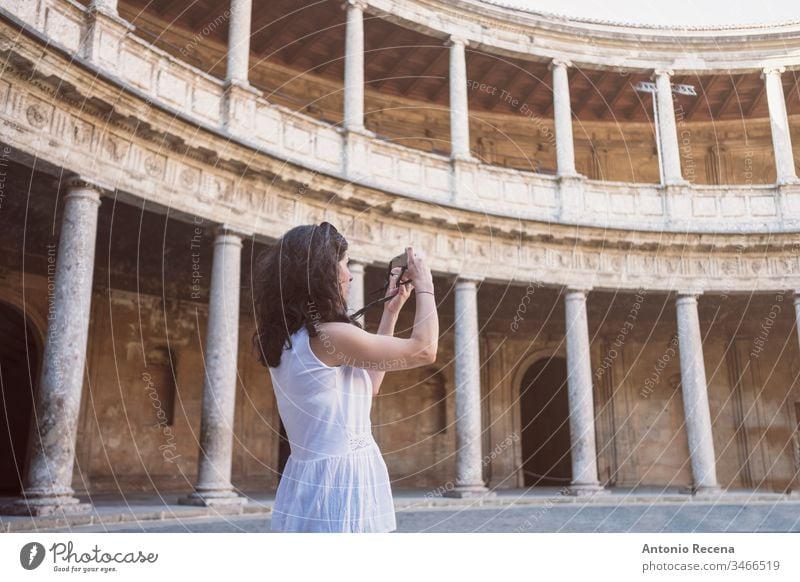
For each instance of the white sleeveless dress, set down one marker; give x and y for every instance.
(335, 479)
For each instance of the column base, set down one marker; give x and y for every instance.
(470, 492)
(41, 506)
(586, 489)
(213, 498)
(702, 490)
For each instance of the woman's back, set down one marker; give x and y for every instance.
(335, 478)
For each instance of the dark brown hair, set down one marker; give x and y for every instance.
(295, 284)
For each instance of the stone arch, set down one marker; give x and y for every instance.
(555, 351)
(21, 355)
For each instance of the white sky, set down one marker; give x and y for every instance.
(670, 12)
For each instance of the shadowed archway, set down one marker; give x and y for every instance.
(544, 409)
(19, 367)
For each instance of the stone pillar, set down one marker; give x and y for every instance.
(779, 125)
(562, 116)
(459, 110)
(797, 311)
(356, 299)
(105, 6)
(354, 66)
(667, 130)
(695, 395)
(469, 459)
(219, 384)
(583, 449)
(239, 42)
(794, 486)
(47, 487)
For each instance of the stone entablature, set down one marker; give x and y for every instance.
(144, 150)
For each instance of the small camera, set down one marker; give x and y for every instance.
(401, 261)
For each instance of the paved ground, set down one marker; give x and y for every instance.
(694, 517)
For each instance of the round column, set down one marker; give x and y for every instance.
(354, 67)
(239, 42)
(667, 129)
(219, 385)
(695, 395)
(355, 301)
(779, 126)
(47, 487)
(459, 109)
(562, 116)
(469, 461)
(583, 451)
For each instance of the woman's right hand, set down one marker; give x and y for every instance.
(418, 272)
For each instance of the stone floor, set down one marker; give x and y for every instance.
(511, 510)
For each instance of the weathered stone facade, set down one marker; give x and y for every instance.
(195, 174)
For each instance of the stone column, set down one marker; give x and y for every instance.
(105, 6)
(354, 66)
(695, 395)
(47, 487)
(562, 116)
(459, 110)
(794, 486)
(667, 129)
(797, 311)
(469, 459)
(356, 299)
(219, 384)
(779, 125)
(239, 42)
(583, 449)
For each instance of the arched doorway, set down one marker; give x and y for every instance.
(544, 412)
(19, 369)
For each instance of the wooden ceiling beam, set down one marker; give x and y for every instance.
(729, 98)
(302, 44)
(593, 86)
(573, 72)
(538, 84)
(795, 88)
(703, 97)
(399, 64)
(639, 105)
(263, 31)
(397, 58)
(415, 82)
(608, 106)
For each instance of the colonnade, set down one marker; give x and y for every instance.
(47, 481)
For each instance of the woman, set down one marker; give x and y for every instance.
(325, 369)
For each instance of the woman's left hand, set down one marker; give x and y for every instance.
(400, 296)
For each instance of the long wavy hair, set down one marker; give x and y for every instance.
(295, 284)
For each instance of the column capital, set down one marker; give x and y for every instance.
(575, 289)
(687, 296)
(228, 233)
(360, 4)
(772, 69)
(559, 63)
(454, 39)
(468, 278)
(660, 72)
(357, 265)
(80, 187)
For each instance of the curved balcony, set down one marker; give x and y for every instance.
(275, 130)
